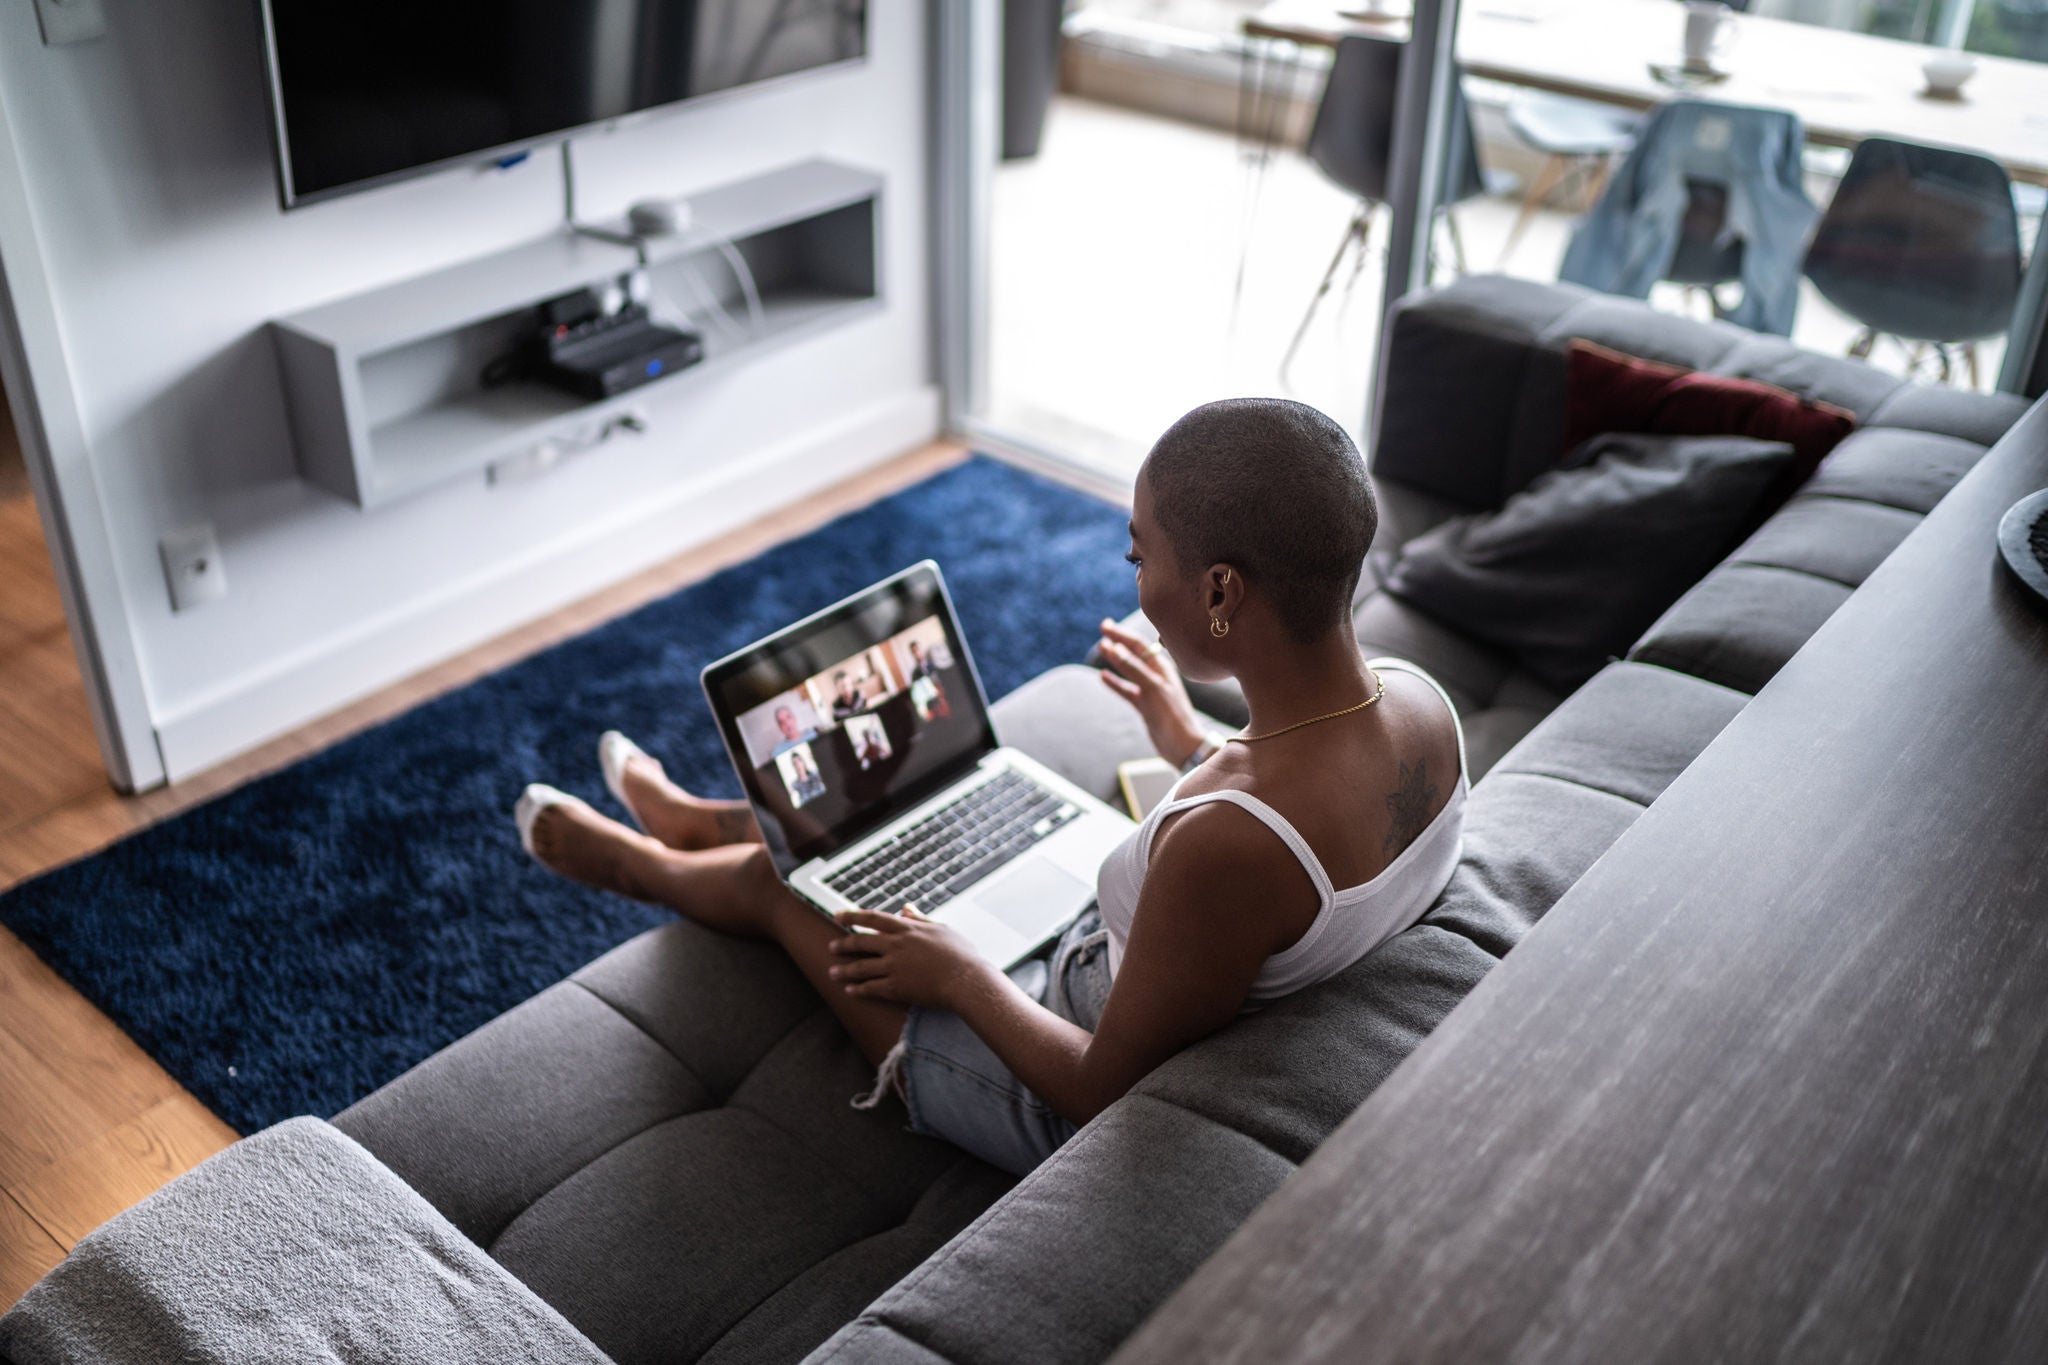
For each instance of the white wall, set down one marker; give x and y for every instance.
(148, 169)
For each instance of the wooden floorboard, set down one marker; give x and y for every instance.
(26, 1251)
(88, 1122)
(74, 1194)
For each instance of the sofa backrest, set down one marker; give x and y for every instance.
(1472, 398)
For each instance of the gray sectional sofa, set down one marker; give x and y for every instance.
(660, 1147)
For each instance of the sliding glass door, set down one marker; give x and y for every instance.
(1204, 198)
(1147, 232)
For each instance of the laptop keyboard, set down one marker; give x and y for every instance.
(934, 860)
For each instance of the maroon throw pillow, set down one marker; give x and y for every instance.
(1608, 391)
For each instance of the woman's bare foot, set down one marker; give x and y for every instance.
(663, 809)
(678, 819)
(720, 888)
(568, 837)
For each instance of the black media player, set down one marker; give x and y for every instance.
(608, 355)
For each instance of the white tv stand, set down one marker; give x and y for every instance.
(384, 388)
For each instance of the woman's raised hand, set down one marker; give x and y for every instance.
(1142, 673)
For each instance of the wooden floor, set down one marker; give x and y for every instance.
(88, 1123)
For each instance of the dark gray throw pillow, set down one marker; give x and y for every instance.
(1574, 568)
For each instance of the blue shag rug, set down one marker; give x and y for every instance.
(297, 943)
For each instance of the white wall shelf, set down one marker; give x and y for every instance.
(384, 387)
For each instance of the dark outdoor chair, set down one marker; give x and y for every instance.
(1352, 143)
(1922, 244)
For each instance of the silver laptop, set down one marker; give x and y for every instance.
(863, 739)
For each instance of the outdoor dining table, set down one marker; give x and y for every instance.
(1843, 86)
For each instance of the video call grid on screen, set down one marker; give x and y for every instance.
(869, 703)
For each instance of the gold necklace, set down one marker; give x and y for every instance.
(1381, 691)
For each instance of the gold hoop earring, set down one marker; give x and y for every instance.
(1226, 578)
(1218, 627)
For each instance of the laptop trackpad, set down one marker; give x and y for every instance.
(1031, 895)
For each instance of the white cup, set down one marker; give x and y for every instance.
(1709, 25)
(1947, 71)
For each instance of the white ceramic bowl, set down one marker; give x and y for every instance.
(1947, 71)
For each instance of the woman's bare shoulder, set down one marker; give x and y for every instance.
(1421, 723)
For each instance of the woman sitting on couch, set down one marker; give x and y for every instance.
(1250, 521)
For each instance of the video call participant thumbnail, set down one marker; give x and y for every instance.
(870, 740)
(800, 776)
(846, 697)
(792, 729)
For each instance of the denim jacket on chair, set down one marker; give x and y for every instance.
(1626, 243)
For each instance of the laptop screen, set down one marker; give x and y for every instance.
(852, 716)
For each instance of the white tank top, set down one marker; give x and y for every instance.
(1350, 923)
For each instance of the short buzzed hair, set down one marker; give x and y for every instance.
(1276, 488)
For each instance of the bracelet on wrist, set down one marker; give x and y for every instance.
(1204, 750)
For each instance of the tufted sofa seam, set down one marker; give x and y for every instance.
(1872, 502)
(1877, 415)
(1689, 677)
(722, 1102)
(822, 1158)
(1179, 1108)
(748, 1312)
(709, 1089)
(742, 1320)
(838, 1344)
(534, 1202)
(1587, 786)
(1785, 568)
(1793, 568)
(1804, 496)
(538, 1199)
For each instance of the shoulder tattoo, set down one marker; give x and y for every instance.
(1409, 805)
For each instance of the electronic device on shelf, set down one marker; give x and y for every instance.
(594, 350)
(374, 91)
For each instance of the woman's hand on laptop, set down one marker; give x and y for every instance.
(1142, 673)
(908, 959)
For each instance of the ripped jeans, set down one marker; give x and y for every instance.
(955, 1086)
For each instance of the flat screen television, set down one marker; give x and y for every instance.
(365, 92)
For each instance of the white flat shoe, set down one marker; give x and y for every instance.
(537, 797)
(613, 751)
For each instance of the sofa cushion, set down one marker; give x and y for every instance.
(1980, 418)
(1628, 733)
(817, 1303)
(1909, 470)
(668, 1243)
(1524, 847)
(486, 1126)
(1568, 573)
(1473, 442)
(1741, 624)
(1747, 618)
(490, 1124)
(1841, 539)
(611, 1140)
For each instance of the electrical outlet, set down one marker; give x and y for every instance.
(192, 566)
(70, 21)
